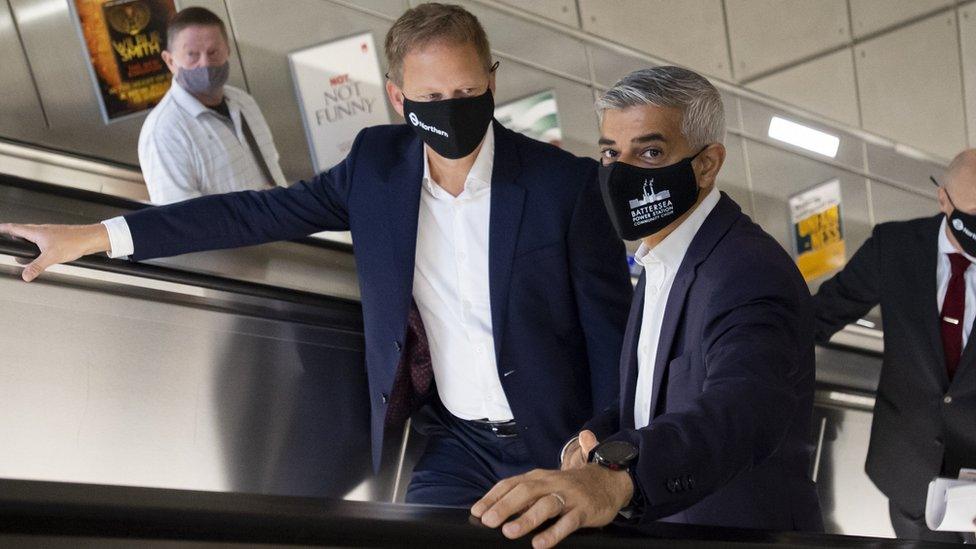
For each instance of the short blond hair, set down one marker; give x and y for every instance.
(429, 23)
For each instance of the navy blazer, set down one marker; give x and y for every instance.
(558, 276)
(728, 442)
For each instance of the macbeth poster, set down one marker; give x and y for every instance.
(125, 40)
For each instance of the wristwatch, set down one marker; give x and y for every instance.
(616, 455)
(620, 455)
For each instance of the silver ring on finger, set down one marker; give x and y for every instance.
(562, 502)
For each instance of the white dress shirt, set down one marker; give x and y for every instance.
(944, 272)
(660, 267)
(188, 150)
(450, 287)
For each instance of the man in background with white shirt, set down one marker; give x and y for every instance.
(920, 271)
(204, 137)
(717, 367)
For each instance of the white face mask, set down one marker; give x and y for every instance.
(203, 80)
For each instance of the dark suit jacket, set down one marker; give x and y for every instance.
(916, 435)
(728, 442)
(559, 282)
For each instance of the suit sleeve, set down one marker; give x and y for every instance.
(750, 348)
(606, 422)
(601, 283)
(246, 218)
(851, 293)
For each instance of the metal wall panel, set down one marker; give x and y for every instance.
(265, 35)
(967, 36)
(562, 11)
(755, 122)
(910, 87)
(912, 172)
(824, 85)
(387, 8)
(766, 34)
(531, 42)
(732, 177)
(57, 54)
(891, 204)
(777, 175)
(21, 116)
(690, 33)
(577, 117)
(870, 16)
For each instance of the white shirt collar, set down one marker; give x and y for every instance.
(946, 247)
(671, 250)
(193, 105)
(479, 177)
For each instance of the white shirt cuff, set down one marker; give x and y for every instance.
(562, 453)
(119, 237)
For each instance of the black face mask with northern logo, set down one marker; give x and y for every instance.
(452, 127)
(642, 201)
(962, 225)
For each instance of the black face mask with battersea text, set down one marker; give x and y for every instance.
(453, 128)
(962, 225)
(642, 201)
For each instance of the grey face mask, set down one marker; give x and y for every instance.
(203, 80)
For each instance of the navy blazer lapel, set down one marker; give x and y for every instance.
(717, 223)
(507, 201)
(628, 356)
(927, 295)
(404, 211)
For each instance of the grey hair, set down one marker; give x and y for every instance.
(702, 113)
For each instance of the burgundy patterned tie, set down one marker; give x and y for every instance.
(953, 311)
(413, 383)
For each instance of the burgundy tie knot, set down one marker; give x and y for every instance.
(959, 263)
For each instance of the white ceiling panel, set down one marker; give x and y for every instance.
(767, 34)
(910, 86)
(689, 33)
(825, 86)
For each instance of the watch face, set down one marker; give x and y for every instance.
(617, 452)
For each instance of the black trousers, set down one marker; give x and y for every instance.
(461, 462)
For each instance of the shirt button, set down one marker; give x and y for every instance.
(397, 345)
(480, 349)
(947, 399)
(462, 256)
(384, 397)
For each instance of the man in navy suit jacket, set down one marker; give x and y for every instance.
(717, 367)
(498, 243)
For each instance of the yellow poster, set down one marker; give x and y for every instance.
(818, 230)
(125, 40)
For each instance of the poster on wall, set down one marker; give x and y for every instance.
(818, 231)
(536, 116)
(341, 90)
(124, 40)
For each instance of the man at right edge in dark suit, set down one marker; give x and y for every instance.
(920, 272)
(712, 421)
